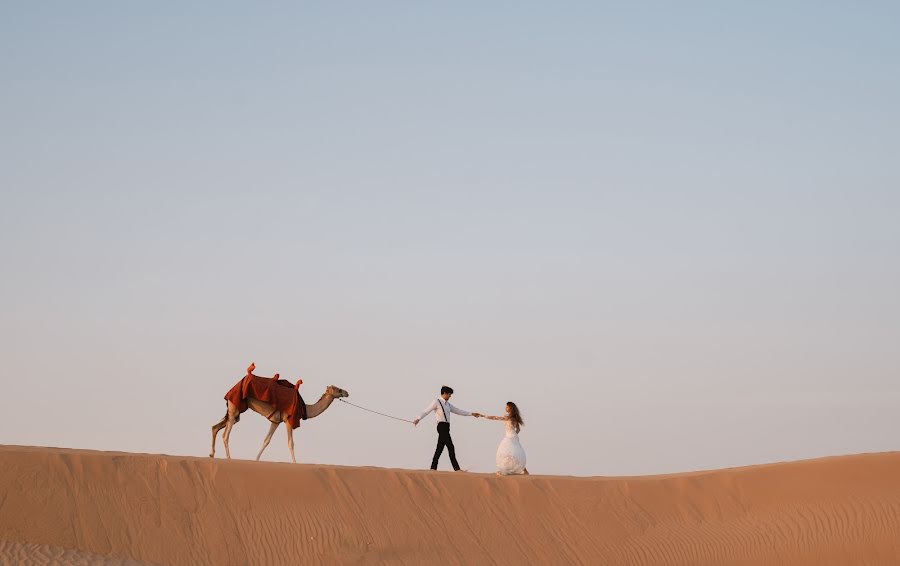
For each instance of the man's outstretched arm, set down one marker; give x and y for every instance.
(459, 411)
(430, 408)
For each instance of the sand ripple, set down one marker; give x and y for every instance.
(30, 554)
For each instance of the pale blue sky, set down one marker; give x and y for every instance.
(669, 231)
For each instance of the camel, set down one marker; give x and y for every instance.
(274, 416)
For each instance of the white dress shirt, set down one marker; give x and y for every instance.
(442, 416)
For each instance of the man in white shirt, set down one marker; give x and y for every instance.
(442, 408)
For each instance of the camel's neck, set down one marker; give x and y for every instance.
(319, 407)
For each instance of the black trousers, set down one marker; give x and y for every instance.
(444, 439)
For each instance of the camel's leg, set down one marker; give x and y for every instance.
(272, 427)
(290, 435)
(215, 431)
(228, 426)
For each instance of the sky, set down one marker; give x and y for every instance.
(668, 231)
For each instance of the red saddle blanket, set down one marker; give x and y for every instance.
(279, 393)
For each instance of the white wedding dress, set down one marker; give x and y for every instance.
(510, 454)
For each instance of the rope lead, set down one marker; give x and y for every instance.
(376, 412)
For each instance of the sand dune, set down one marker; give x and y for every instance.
(82, 507)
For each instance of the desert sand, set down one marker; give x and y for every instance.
(84, 507)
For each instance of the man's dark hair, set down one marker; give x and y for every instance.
(446, 389)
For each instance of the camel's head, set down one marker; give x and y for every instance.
(336, 392)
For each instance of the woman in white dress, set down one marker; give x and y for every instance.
(510, 454)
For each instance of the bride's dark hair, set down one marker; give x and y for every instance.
(515, 417)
